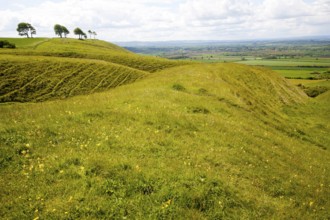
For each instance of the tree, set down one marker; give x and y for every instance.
(60, 30)
(24, 29)
(65, 31)
(32, 31)
(6, 44)
(80, 33)
(90, 34)
(94, 33)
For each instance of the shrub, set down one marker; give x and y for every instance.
(200, 110)
(202, 91)
(178, 87)
(6, 44)
(315, 91)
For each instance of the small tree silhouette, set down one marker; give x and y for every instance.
(24, 29)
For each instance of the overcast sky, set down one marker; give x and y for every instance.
(159, 20)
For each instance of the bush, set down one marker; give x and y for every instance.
(6, 44)
(315, 91)
(178, 87)
(200, 110)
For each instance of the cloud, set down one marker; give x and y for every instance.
(283, 9)
(172, 19)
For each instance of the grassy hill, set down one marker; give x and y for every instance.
(42, 69)
(91, 49)
(199, 141)
(36, 78)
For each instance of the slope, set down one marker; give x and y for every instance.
(37, 78)
(43, 69)
(217, 141)
(94, 49)
(25, 42)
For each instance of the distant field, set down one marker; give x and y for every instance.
(291, 58)
(287, 62)
(311, 83)
(302, 68)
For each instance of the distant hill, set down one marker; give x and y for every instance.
(198, 43)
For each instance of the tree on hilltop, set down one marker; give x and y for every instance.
(65, 31)
(60, 30)
(24, 29)
(80, 33)
(94, 33)
(90, 34)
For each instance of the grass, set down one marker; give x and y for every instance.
(289, 62)
(25, 42)
(42, 78)
(200, 141)
(95, 50)
(69, 67)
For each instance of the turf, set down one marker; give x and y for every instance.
(25, 42)
(33, 78)
(199, 141)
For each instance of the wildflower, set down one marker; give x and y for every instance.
(137, 167)
(166, 204)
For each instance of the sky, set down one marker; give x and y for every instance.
(165, 20)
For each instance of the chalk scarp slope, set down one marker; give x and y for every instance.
(30, 78)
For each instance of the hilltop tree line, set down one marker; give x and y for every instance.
(26, 29)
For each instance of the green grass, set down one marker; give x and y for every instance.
(297, 68)
(199, 141)
(42, 78)
(305, 74)
(60, 68)
(289, 62)
(96, 50)
(25, 42)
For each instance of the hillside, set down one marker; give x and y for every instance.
(43, 69)
(195, 141)
(42, 78)
(91, 49)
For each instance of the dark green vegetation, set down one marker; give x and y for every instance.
(26, 29)
(199, 141)
(6, 44)
(80, 33)
(61, 30)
